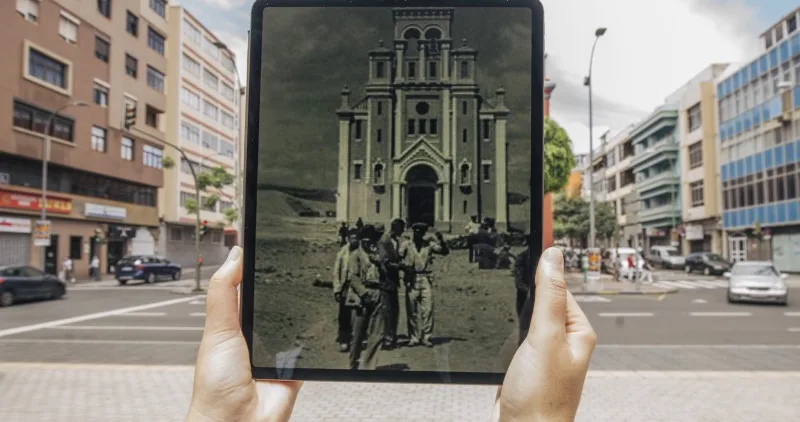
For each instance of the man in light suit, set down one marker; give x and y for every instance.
(341, 281)
(388, 250)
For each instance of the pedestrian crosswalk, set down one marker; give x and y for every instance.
(692, 284)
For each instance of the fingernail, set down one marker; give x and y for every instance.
(234, 254)
(554, 256)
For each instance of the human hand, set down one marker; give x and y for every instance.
(545, 379)
(224, 389)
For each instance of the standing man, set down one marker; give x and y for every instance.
(472, 229)
(67, 268)
(343, 232)
(418, 254)
(94, 268)
(371, 287)
(341, 282)
(388, 249)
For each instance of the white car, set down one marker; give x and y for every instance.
(757, 281)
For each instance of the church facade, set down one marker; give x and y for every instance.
(422, 144)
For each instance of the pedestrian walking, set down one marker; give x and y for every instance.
(341, 282)
(645, 272)
(632, 270)
(389, 250)
(343, 234)
(94, 268)
(418, 253)
(67, 269)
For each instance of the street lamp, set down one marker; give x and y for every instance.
(588, 82)
(45, 157)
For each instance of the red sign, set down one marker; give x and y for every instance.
(29, 202)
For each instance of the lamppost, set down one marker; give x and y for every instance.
(48, 129)
(588, 82)
(236, 169)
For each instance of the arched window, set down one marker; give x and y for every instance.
(464, 174)
(377, 174)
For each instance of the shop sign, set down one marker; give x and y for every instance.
(29, 202)
(15, 225)
(105, 211)
(41, 233)
(694, 232)
(121, 232)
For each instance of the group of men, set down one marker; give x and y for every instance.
(367, 275)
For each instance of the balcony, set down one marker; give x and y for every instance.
(663, 150)
(665, 212)
(663, 179)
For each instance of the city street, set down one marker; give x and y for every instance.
(691, 343)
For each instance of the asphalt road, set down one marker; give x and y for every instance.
(694, 329)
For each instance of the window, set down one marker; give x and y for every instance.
(28, 9)
(380, 70)
(695, 119)
(35, 119)
(176, 233)
(486, 131)
(464, 174)
(104, 7)
(358, 129)
(432, 67)
(412, 70)
(151, 116)
(151, 156)
(697, 193)
(68, 29)
(226, 148)
(227, 120)
(225, 205)
(155, 40)
(186, 198)
(98, 139)
(227, 92)
(210, 110)
(357, 171)
(131, 65)
(75, 247)
(465, 69)
(155, 79)
(768, 40)
(101, 49)
(210, 49)
(378, 206)
(47, 69)
(791, 24)
(210, 141)
(192, 33)
(779, 33)
(190, 98)
(190, 132)
(464, 136)
(210, 80)
(191, 65)
(132, 24)
(227, 63)
(611, 182)
(487, 176)
(100, 96)
(412, 127)
(696, 155)
(379, 136)
(791, 182)
(159, 6)
(126, 151)
(463, 107)
(434, 127)
(423, 128)
(378, 174)
(380, 107)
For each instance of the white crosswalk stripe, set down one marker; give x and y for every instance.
(692, 284)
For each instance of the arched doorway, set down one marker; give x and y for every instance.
(421, 186)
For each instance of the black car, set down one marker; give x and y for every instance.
(147, 268)
(707, 263)
(22, 283)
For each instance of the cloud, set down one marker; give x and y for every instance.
(225, 4)
(650, 50)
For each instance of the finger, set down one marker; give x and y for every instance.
(550, 306)
(580, 334)
(222, 303)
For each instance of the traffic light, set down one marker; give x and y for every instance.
(203, 228)
(130, 115)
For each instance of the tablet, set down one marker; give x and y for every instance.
(393, 193)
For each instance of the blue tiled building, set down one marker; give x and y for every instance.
(759, 150)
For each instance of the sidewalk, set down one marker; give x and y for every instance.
(607, 286)
(186, 273)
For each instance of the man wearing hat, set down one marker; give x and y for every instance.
(418, 254)
(342, 276)
(388, 248)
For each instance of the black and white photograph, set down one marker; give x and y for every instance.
(394, 178)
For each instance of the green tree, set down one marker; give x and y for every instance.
(210, 183)
(571, 220)
(558, 157)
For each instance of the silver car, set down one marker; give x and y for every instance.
(757, 281)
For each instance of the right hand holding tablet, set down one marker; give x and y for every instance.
(545, 379)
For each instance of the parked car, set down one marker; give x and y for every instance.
(665, 257)
(21, 283)
(147, 268)
(757, 281)
(707, 263)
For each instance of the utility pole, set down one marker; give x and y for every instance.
(588, 82)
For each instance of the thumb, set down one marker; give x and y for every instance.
(222, 301)
(550, 306)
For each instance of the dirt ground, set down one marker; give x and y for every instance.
(296, 313)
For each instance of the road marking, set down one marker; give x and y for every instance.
(673, 285)
(197, 302)
(704, 284)
(145, 314)
(685, 284)
(794, 330)
(662, 297)
(699, 301)
(89, 317)
(625, 314)
(78, 341)
(720, 314)
(590, 299)
(792, 314)
(123, 327)
(198, 314)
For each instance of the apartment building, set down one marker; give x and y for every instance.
(758, 105)
(702, 226)
(204, 103)
(70, 70)
(619, 181)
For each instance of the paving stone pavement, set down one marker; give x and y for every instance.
(88, 393)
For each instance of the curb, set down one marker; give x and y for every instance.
(624, 292)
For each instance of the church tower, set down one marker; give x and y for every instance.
(422, 144)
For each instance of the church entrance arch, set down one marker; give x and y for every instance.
(421, 186)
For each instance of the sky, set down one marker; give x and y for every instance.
(652, 47)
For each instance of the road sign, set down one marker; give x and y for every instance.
(41, 233)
